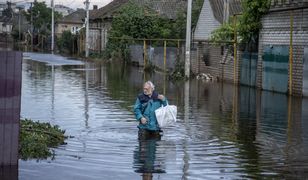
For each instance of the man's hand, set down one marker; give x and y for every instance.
(161, 97)
(143, 120)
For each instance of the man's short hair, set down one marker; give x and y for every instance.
(150, 84)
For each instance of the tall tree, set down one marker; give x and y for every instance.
(8, 12)
(41, 16)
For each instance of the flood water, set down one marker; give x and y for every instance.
(223, 131)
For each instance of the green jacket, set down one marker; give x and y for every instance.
(145, 107)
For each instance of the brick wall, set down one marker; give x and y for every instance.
(276, 31)
(288, 3)
(210, 60)
(207, 59)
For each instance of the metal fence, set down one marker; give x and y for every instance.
(10, 90)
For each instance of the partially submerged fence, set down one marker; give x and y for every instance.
(10, 90)
(162, 53)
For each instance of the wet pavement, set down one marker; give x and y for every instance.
(223, 131)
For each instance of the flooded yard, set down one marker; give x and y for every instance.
(223, 131)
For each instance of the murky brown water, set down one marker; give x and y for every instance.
(222, 131)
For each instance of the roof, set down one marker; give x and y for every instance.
(108, 9)
(218, 8)
(75, 17)
(275, 4)
(167, 8)
(206, 22)
(212, 15)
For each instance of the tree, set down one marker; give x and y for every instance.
(139, 22)
(8, 12)
(66, 42)
(248, 25)
(250, 21)
(41, 16)
(179, 29)
(135, 21)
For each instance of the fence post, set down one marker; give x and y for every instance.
(165, 55)
(291, 53)
(235, 49)
(144, 53)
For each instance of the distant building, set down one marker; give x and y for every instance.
(7, 17)
(206, 57)
(100, 19)
(6, 24)
(64, 10)
(72, 22)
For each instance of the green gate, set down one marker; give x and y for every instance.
(305, 72)
(275, 68)
(249, 69)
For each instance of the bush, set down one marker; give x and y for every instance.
(36, 138)
(65, 42)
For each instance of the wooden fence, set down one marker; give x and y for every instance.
(10, 90)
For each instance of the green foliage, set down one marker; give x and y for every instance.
(139, 22)
(149, 68)
(179, 26)
(15, 33)
(250, 21)
(135, 21)
(248, 25)
(36, 138)
(41, 16)
(66, 41)
(224, 33)
(179, 71)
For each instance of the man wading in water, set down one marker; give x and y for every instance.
(145, 106)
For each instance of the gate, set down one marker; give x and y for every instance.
(10, 88)
(275, 68)
(305, 72)
(249, 69)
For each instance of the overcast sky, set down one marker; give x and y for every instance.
(70, 3)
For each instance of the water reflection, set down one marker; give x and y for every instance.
(146, 160)
(9, 172)
(222, 131)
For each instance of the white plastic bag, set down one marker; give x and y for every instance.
(166, 115)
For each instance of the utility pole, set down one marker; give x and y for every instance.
(19, 19)
(52, 26)
(31, 26)
(87, 28)
(188, 37)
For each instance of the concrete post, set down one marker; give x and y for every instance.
(188, 37)
(87, 28)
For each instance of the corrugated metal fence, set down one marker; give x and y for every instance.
(249, 69)
(305, 72)
(10, 89)
(275, 68)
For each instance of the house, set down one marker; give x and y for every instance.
(7, 18)
(101, 19)
(72, 22)
(64, 10)
(283, 48)
(209, 58)
(6, 25)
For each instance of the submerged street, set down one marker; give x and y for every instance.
(223, 131)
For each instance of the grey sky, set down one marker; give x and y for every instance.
(70, 3)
